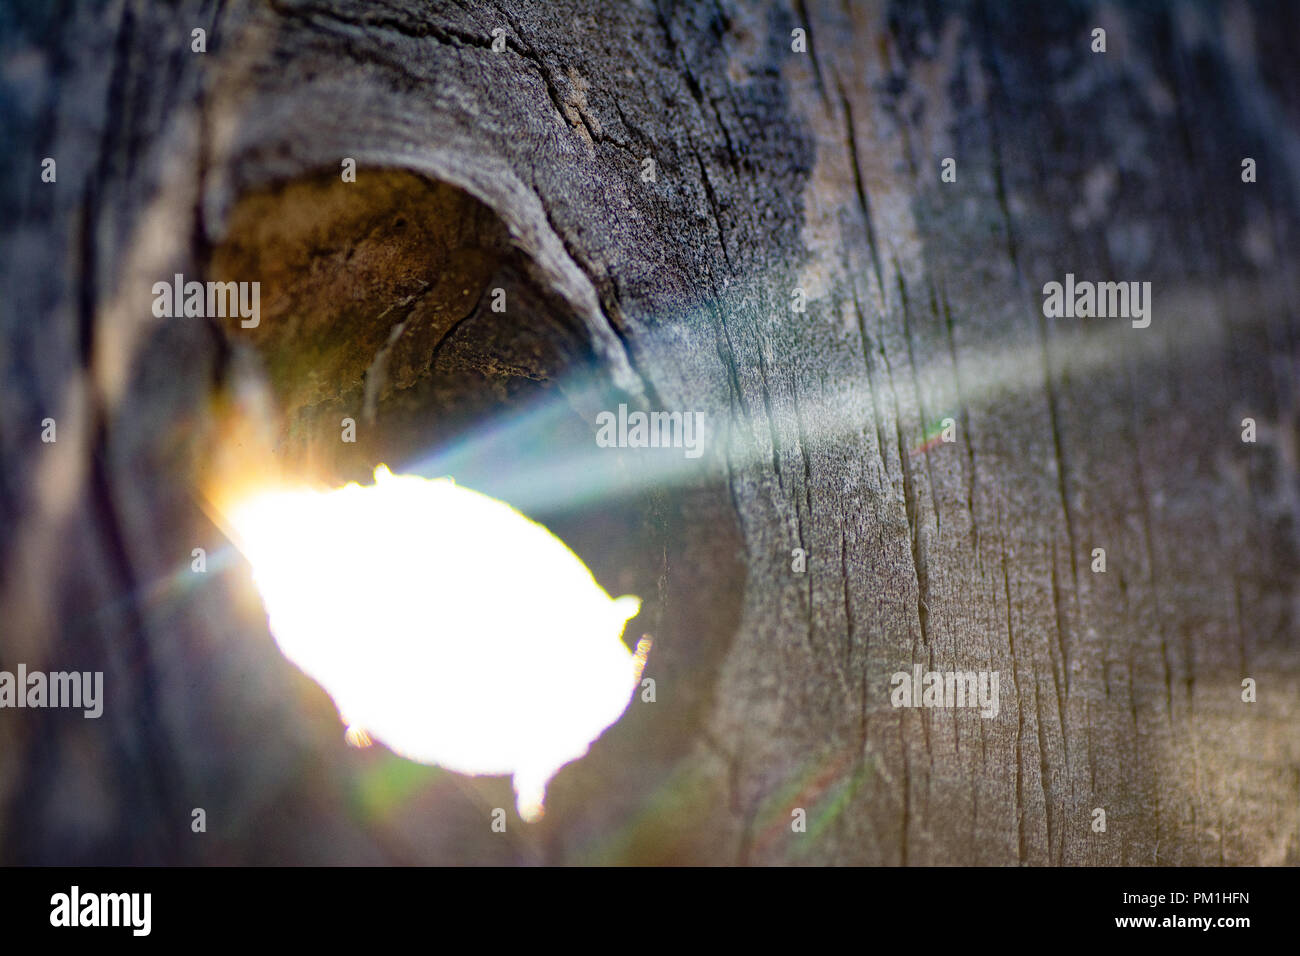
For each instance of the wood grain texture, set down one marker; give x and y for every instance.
(774, 170)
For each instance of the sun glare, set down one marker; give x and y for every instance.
(443, 623)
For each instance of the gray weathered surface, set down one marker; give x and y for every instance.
(775, 170)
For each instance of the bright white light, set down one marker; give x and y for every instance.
(444, 624)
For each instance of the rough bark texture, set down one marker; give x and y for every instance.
(775, 170)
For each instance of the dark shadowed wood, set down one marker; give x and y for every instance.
(774, 171)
